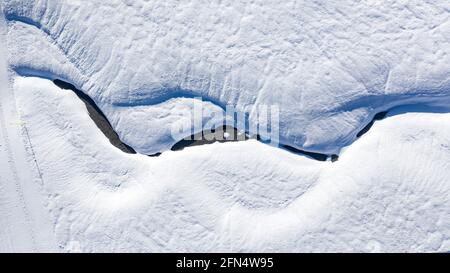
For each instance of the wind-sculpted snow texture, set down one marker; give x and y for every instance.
(389, 191)
(329, 65)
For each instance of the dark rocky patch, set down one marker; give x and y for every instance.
(316, 156)
(201, 138)
(378, 116)
(97, 116)
(211, 136)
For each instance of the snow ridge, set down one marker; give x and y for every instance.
(327, 84)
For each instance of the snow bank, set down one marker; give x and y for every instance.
(329, 66)
(388, 191)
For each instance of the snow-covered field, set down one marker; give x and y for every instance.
(328, 66)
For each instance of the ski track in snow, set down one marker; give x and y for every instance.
(212, 211)
(66, 186)
(23, 210)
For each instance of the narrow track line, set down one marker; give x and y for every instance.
(15, 176)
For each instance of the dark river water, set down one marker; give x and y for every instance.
(98, 117)
(219, 134)
(378, 116)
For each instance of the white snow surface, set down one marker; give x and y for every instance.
(389, 191)
(328, 65)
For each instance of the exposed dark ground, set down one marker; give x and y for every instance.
(97, 116)
(211, 136)
(202, 138)
(378, 116)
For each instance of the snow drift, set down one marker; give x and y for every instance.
(329, 67)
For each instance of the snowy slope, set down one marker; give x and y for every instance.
(24, 218)
(328, 65)
(388, 192)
